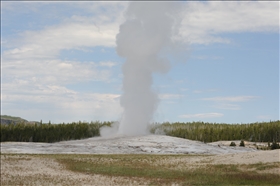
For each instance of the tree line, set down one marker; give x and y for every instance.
(210, 132)
(39, 132)
(200, 131)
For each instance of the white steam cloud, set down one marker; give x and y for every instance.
(149, 31)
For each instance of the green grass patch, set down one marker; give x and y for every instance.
(159, 169)
(145, 166)
(263, 166)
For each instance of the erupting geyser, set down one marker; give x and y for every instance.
(148, 30)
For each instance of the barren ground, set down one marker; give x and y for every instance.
(30, 169)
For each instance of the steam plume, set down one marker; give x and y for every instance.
(147, 32)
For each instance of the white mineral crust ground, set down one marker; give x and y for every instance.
(149, 144)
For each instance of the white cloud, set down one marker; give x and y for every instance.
(227, 106)
(34, 56)
(204, 21)
(49, 42)
(202, 115)
(103, 106)
(264, 117)
(31, 85)
(107, 64)
(204, 91)
(231, 98)
(197, 91)
(52, 71)
(32, 71)
(226, 102)
(61, 103)
(97, 28)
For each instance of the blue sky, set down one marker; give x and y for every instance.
(58, 62)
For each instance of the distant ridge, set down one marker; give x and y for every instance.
(8, 120)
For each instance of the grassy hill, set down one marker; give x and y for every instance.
(5, 119)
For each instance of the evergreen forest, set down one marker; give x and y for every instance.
(39, 132)
(200, 131)
(210, 132)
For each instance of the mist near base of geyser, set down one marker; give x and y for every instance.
(149, 30)
(107, 131)
(114, 131)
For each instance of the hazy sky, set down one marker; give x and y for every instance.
(59, 63)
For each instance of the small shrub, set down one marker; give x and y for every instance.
(275, 146)
(232, 144)
(242, 144)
